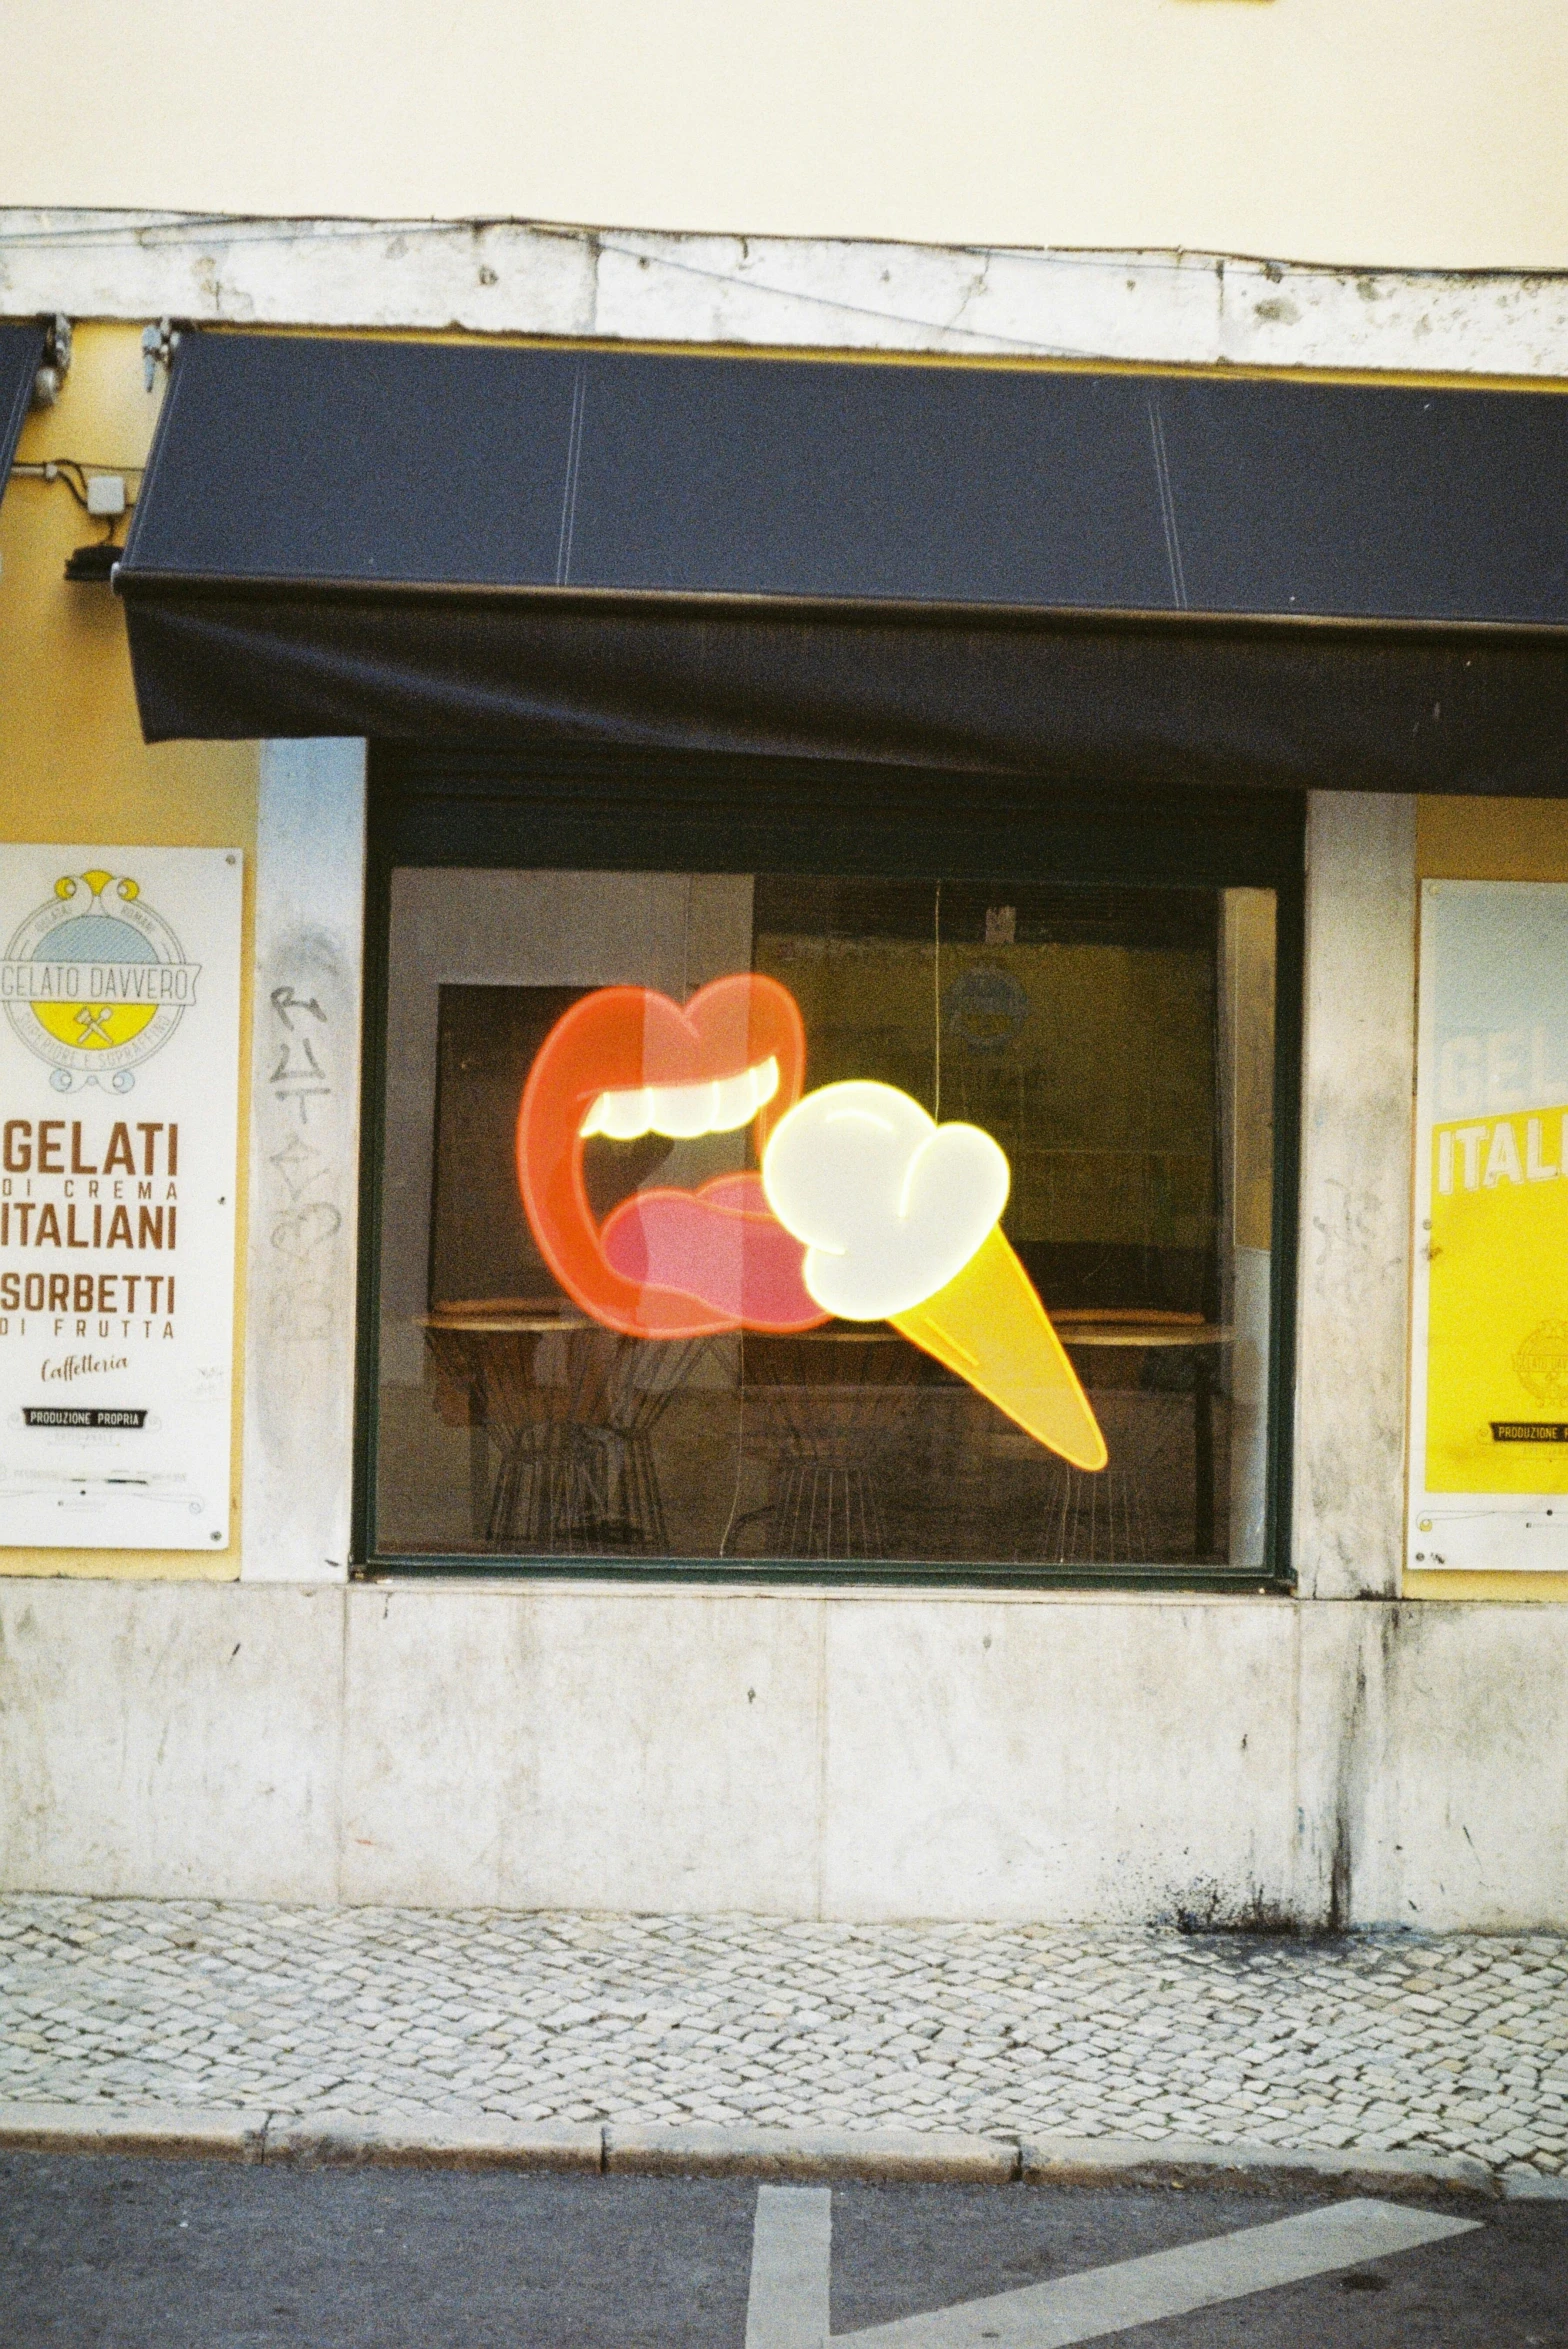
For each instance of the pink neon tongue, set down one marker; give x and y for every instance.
(721, 1244)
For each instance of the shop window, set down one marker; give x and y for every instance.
(807, 1222)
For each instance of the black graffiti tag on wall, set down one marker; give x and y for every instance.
(303, 1221)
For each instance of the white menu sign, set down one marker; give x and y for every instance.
(119, 1076)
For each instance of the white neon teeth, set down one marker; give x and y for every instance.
(681, 1112)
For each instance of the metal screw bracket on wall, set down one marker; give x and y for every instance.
(56, 362)
(158, 347)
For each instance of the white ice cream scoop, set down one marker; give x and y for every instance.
(888, 1204)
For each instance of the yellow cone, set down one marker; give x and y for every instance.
(989, 1326)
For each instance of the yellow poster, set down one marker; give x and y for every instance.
(1497, 1326)
(1489, 1322)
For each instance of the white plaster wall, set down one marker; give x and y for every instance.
(296, 1492)
(1465, 1819)
(1186, 308)
(1352, 1295)
(853, 1756)
(170, 1738)
(996, 1759)
(583, 1749)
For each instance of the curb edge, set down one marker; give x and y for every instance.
(212, 2133)
(329, 2139)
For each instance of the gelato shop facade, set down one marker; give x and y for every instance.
(783, 1130)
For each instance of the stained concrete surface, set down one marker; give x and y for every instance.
(862, 1756)
(102, 2253)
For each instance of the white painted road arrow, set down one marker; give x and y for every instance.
(792, 2250)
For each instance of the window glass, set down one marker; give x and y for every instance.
(760, 1217)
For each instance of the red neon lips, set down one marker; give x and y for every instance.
(668, 1264)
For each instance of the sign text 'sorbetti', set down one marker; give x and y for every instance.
(119, 982)
(1489, 1367)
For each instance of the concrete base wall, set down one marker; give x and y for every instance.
(852, 1756)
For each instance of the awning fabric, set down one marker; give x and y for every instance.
(21, 356)
(1156, 578)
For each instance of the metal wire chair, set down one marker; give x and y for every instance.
(564, 1414)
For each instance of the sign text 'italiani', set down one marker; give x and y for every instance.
(119, 979)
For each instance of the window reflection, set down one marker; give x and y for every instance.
(603, 1335)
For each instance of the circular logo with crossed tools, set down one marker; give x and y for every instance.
(1541, 1364)
(95, 982)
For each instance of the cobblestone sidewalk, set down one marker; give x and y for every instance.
(1457, 2043)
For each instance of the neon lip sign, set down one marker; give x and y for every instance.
(865, 1209)
(627, 1061)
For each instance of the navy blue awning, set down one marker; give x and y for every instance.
(1166, 576)
(21, 356)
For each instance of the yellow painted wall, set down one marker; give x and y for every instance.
(73, 766)
(1417, 133)
(1490, 840)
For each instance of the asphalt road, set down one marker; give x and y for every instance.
(103, 2253)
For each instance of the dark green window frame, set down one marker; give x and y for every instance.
(632, 811)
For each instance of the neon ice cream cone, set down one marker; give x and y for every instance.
(886, 1203)
(990, 1327)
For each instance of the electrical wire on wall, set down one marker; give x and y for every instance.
(79, 475)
